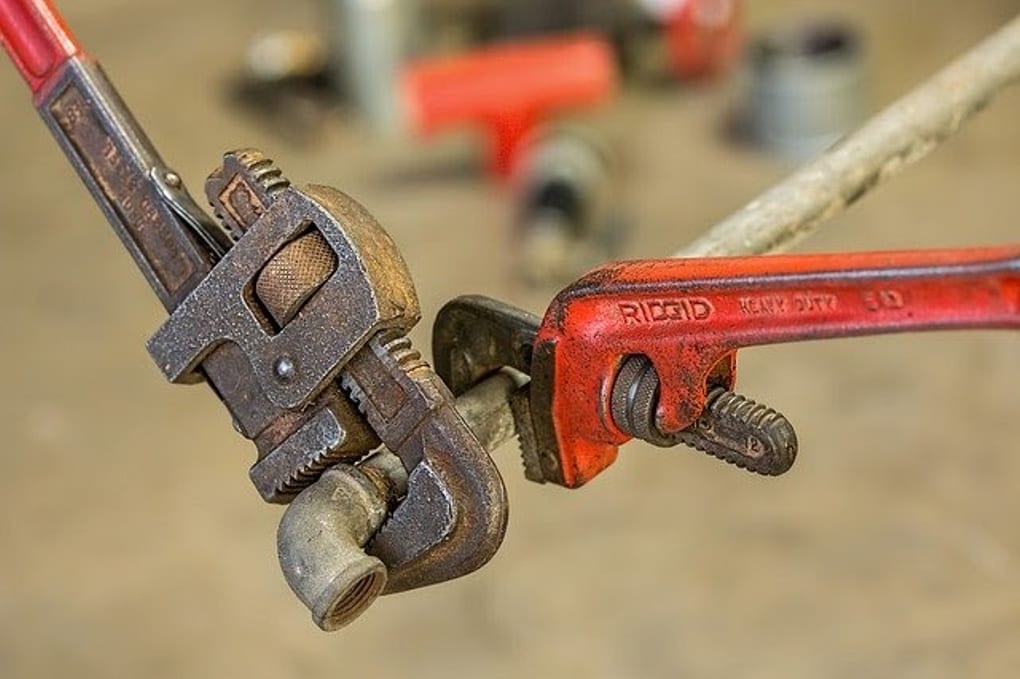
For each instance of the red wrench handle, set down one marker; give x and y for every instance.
(689, 317)
(38, 41)
(139, 194)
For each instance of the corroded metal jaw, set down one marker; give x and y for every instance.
(317, 299)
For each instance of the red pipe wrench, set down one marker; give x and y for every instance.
(647, 349)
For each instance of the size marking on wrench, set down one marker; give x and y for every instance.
(585, 341)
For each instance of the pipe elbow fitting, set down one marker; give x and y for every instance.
(322, 536)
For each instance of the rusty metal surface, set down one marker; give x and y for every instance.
(312, 287)
(298, 460)
(317, 257)
(474, 336)
(294, 275)
(366, 294)
(242, 187)
(173, 242)
(454, 516)
(115, 160)
(323, 536)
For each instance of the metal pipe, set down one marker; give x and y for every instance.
(902, 134)
(369, 44)
(486, 407)
(323, 533)
(322, 536)
(806, 88)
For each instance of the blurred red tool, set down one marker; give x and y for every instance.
(509, 90)
(703, 36)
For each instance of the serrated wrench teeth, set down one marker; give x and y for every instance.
(453, 517)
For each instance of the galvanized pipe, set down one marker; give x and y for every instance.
(368, 46)
(322, 536)
(486, 407)
(902, 134)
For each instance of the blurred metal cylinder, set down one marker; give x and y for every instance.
(368, 44)
(568, 206)
(806, 88)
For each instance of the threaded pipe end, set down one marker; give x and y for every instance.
(355, 593)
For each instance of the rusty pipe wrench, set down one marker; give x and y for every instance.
(647, 349)
(293, 304)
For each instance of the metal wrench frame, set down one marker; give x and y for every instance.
(283, 391)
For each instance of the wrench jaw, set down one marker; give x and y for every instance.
(311, 308)
(454, 517)
(565, 426)
(474, 337)
(586, 396)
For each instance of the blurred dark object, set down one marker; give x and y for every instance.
(568, 206)
(522, 18)
(287, 85)
(295, 79)
(806, 88)
(508, 91)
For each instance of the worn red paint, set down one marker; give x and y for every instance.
(37, 40)
(744, 302)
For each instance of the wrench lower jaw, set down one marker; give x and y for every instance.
(454, 517)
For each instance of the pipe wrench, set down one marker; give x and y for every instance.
(293, 305)
(647, 349)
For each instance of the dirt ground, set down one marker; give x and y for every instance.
(134, 546)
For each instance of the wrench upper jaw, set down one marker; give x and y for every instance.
(454, 516)
(474, 336)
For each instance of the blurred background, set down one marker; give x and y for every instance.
(134, 545)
